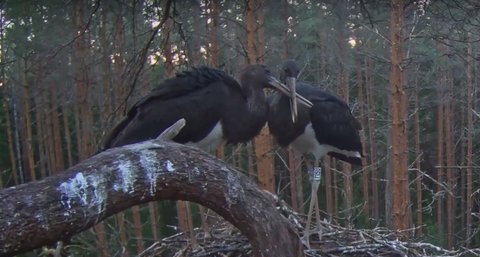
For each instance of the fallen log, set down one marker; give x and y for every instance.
(56, 208)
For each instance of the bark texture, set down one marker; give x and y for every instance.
(398, 131)
(57, 207)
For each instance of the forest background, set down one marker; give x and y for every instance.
(69, 70)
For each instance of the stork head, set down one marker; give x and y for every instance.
(260, 76)
(289, 70)
(255, 76)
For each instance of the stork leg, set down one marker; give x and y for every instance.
(317, 218)
(203, 217)
(191, 231)
(315, 176)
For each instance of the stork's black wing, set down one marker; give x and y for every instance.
(330, 117)
(332, 120)
(186, 82)
(198, 96)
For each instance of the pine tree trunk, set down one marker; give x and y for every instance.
(185, 219)
(286, 27)
(152, 207)
(250, 160)
(398, 131)
(27, 142)
(266, 176)
(470, 131)
(294, 171)
(260, 17)
(335, 199)
(362, 104)
(194, 54)
(101, 237)
(329, 187)
(371, 116)
(40, 131)
(418, 161)
(451, 205)
(106, 105)
(440, 138)
(76, 120)
(2, 91)
(85, 120)
(462, 163)
(137, 229)
(118, 58)
(449, 154)
(251, 31)
(57, 141)
(16, 137)
(343, 92)
(167, 48)
(213, 53)
(262, 142)
(440, 145)
(81, 77)
(66, 131)
(322, 54)
(48, 137)
(122, 233)
(10, 141)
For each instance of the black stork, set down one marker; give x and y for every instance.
(328, 127)
(215, 106)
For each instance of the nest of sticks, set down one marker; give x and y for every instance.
(225, 240)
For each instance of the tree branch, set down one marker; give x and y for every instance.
(57, 207)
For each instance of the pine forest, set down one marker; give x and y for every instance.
(71, 70)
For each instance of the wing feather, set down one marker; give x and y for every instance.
(197, 95)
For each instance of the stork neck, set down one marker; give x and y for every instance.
(256, 100)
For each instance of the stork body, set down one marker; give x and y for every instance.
(328, 127)
(215, 106)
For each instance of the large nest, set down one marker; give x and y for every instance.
(225, 240)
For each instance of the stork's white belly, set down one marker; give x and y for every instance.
(212, 140)
(308, 143)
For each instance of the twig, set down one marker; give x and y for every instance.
(172, 131)
(336, 241)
